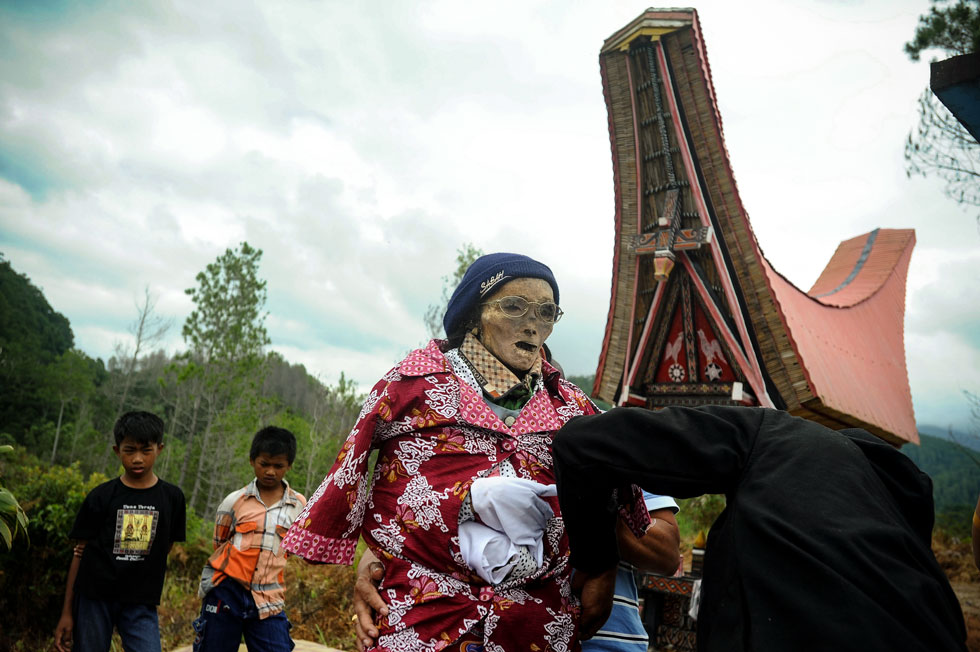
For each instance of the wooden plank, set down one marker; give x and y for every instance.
(623, 151)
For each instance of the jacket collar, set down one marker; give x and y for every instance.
(430, 360)
(422, 362)
(288, 495)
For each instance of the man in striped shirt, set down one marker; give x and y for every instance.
(242, 583)
(657, 550)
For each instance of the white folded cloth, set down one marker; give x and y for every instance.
(488, 552)
(513, 514)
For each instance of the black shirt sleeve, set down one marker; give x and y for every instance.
(680, 452)
(178, 529)
(89, 519)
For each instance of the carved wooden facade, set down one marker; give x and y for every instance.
(697, 314)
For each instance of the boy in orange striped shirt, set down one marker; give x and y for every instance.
(242, 584)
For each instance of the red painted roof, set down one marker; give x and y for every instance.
(855, 330)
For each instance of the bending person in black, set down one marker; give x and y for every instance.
(824, 543)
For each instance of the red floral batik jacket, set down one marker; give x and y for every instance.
(435, 434)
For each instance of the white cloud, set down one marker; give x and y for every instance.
(359, 145)
(941, 367)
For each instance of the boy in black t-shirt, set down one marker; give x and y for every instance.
(126, 527)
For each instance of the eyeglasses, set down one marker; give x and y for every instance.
(516, 307)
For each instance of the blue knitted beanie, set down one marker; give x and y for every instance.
(489, 272)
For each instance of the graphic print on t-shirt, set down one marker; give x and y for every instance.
(136, 527)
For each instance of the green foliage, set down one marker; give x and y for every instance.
(222, 374)
(199, 530)
(954, 472)
(583, 382)
(940, 145)
(465, 256)
(952, 28)
(32, 335)
(71, 375)
(955, 521)
(227, 321)
(321, 431)
(698, 513)
(13, 520)
(33, 579)
(28, 323)
(69, 379)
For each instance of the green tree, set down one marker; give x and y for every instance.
(227, 323)
(32, 335)
(940, 145)
(952, 28)
(223, 369)
(320, 415)
(465, 256)
(331, 417)
(69, 379)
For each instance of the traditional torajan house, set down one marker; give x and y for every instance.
(697, 314)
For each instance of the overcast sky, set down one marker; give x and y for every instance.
(359, 144)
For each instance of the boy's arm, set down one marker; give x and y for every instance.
(66, 624)
(85, 529)
(222, 530)
(224, 521)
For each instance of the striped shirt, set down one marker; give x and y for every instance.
(624, 631)
(246, 545)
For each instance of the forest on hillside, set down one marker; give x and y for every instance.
(59, 403)
(955, 472)
(58, 406)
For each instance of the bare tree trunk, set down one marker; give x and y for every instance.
(57, 430)
(147, 328)
(189, 450)
(168, 451)
(210, 504)
(219, 483)
(80, 419)
(206, 440)
(107, 451)
(82, 414)
(317, 407)
(130, 368)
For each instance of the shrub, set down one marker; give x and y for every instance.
(32, 580)
(13, 519)
(698, 514)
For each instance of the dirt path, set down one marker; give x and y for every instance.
(969, 596)
(301, 646)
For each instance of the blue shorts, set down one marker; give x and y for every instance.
(137, 625)
(228, 613)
